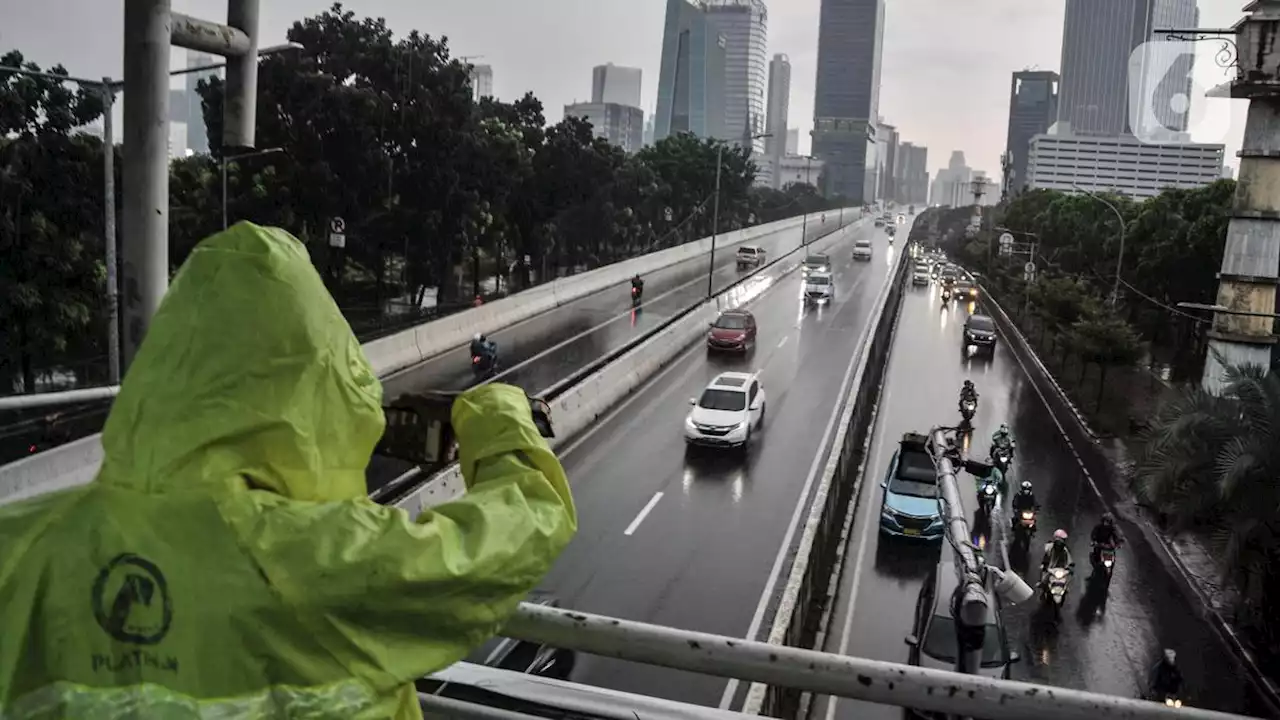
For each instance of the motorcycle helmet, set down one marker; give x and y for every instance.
(1026, 486)
(1170, 656)
(1060, 535)
(1108, 519)
(1004, 429)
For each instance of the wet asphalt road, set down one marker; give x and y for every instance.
(691, 541)
(537, 353)
(1108, 652)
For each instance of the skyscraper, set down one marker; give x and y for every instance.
(775, 146)
(481, 81)
(847, 95)
(1033, 107)
(886, 162)
(615, 84)
(793, 141)
(744, 25)
(913, 174)
(185, 109)
(621, 125)
(691, 79)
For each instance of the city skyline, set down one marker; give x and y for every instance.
(935, 53)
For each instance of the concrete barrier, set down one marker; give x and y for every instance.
(77, 462)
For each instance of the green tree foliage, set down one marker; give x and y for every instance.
(52, 276)
(1210, 463)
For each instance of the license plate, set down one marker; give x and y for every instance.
(910, 531)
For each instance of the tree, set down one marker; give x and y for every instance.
(51, 202)
(1107, 342)
(1210, 463)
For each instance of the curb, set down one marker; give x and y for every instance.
(1104, 467)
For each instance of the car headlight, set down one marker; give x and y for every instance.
(688, 425)
(1059, 574)
(988, 490)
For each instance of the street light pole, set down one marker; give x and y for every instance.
(715, 222)
(1115, 287)
(225, 160)
(109, 233)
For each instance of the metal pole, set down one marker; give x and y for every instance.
(1115, 287)
(109, 233)
(715, 221)
(146, 166)
(224, 192)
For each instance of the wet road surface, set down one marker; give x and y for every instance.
(1109, 651)
(692, 541)
(537, 353)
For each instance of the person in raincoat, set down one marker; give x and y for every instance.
(225, 561)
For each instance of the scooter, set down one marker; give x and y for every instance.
(987, 497)
(636, 293)
(1053, 589)
(484, 363)
(1024, 527)
(946, 295)
(1000, 457)
(1104, 563)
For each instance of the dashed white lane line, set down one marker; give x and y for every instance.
(783, 341)
(643, 514)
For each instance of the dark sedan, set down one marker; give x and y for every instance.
(980, 331)
(733, 331)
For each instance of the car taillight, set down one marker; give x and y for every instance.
(475, 360)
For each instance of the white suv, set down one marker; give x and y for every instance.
(750, 256)
(730, 408)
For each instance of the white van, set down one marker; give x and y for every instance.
(750, 256)
(862, 249)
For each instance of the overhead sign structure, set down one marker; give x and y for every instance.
(337, 232)
(1006, 244)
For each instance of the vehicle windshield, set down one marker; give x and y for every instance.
(981, 322)
(746, 251)
(940, 644)
(915, 476)
(819, 280)
(862, 244)
(815, 260)
(717, 399)
(731, 322)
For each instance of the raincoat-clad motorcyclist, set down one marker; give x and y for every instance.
(1166, 678)
(1104, 534)
(637, 283)
(226, 562)
(1002, 485)
(1003, 437)
(968, 392)
(1025, 499)
(481, 345)
(1056, 553)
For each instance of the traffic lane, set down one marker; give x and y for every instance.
(563, 360)
(680, 284)
(699, 555)
(591, 341)
(1108, 652)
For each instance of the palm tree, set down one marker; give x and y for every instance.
(1212, 463)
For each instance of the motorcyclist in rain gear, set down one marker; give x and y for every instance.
(226, 559)
(481, 345)
(968, 391)
(1056, 553)
(1104, 534)
(1025, 499)
(1166, 678)
(1003, 437)
(637, 289)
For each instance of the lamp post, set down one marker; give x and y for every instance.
(226, 159)
(715, 213)
(1115, 287)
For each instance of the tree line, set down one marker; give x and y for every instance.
(438, 191)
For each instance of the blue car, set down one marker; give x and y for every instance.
(910, 507)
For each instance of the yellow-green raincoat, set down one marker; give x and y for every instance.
(225, 563)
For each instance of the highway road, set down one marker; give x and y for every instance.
(1109, 652)
(537, 353)
(694, 541)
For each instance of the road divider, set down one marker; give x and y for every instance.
(815, 574)
(77, 462)
(579, 400)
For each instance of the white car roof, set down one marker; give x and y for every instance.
(732, 381)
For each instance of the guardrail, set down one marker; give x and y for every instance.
(577, 401)
(813, 578)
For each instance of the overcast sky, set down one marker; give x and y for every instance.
(945, 79)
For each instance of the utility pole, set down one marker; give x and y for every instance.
(715, 213)
(1251, 260)
(150, 27)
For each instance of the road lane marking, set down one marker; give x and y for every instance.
(643, 514)
(783, 341)
(784, 549)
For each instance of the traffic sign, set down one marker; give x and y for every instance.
(338, 226)
(1006, 239)
(338, 240)
(1029, 268)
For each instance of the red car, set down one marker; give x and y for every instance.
(733, 331)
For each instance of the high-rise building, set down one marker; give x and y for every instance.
(621, 125)
(481, 81)
(913, 174)
(886, 162)
(775, 146)
(793, 141)
(951, 185)
(1033, 108)
(648, 130)
(185, 108)
(1121, 164)
(744, 25)
(691, 78)
(615, 84)
(847, 95)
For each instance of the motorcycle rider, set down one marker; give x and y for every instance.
(1025, 499)
(968, 392)
(1166, 678)
(1003, 438)
(637, 284)
(995, 475)
(1056, 553)
(1104, 534)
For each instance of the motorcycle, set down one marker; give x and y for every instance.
(968, 406)
(1024, 526)
(1104, 562)
(635, 296)
(946, 295)
(1001, 457)
(1053, 589)
(987, 497)
(486, 362)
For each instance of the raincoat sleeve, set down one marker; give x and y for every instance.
(395, 597)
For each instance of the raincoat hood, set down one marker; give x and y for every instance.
(248, 370)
